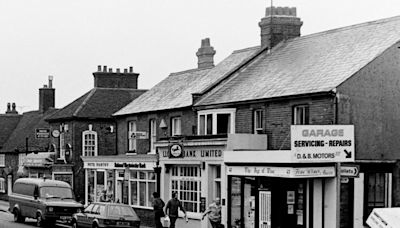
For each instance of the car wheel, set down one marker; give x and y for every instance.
(39, 220)
(95, 225)
(74, 224)
(17, 216)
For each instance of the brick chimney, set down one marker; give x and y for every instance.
(47, 96)
(106, 78)
(279, 23)
(13, 110)
(205, 54)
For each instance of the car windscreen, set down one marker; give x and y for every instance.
(120, 211)
(56, 192)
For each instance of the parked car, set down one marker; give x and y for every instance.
(102, 214)
(44, 200)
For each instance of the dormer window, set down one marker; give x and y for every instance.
(216, 121)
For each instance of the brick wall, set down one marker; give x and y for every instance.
(188, 121)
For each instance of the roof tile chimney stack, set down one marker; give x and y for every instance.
(107, 78)
(13, 110)
(279, 23)
(47, 96)
(205, 54)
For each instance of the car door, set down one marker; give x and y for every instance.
(93, 215)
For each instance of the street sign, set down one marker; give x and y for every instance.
(42, 133)
(322, 143)
(140, 135)
(349, 171)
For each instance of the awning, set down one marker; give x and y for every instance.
(41, 159)
(384, 217)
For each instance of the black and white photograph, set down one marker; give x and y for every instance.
(200, 114)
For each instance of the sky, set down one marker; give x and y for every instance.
(68, 39)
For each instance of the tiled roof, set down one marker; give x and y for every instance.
(26, 129)
(314, 63)
(97, 103)
(8, 122)
(176, 90)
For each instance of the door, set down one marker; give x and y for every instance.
(264, 208)
(118, 194)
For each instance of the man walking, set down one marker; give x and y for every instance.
(172, 209)
(158, 205)
(214, 213)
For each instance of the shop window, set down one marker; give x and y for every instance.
(89, 139)
(132, 136)
(21, 159)
(217, 121)
(185, 180)
(2, 185)
(258, 121)
(301, 115)
(176, 126)
(153, 134)
(376, 191)
(2, 160)
(142, 184)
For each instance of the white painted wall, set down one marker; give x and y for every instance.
(358, 201)
(317, 203)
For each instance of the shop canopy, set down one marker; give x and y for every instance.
(384, 218)
(41, 159)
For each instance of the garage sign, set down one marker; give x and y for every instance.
(322, 143)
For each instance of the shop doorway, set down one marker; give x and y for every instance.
(267, 202)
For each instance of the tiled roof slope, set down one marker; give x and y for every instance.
(176, 90)
(26, 129)
(308, 64)
(8, 122)
(97, 103)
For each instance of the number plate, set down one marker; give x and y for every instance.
(65, 217)
(123, 223)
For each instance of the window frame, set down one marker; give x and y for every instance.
(180, 174)
(95, 141)
(153, 134)
(2, 185)
(138, 180)
(387, 198)
(2, 160)
(202, 130)
(132, 140)
(306, 114)
(176, 130)
(258, 121)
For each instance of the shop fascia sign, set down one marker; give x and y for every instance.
(112, 165)
(322, 143)
(180, 151)
(285, 172)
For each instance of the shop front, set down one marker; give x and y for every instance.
(125, 179)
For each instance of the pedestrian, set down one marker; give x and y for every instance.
(103, 197)
(172, 208)
(158, 206)
(214, 213)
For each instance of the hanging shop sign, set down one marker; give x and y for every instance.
(176, 151)
(285, 172)
(42, 133)
(322, 143)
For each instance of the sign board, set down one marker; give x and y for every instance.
(384, 218)
(42, 133)
(322, 143)
(202, 153)
(284, 172)
(140, 135)
(349, 171)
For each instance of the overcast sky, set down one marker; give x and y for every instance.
(68, 39)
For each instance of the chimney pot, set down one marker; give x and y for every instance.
(13, 107)
(104, 68)
(125, 70)
(8, 107)
(110, 70)
(99, 68)
(118, 71)
(50, 81)
(44, 86)
(130, 69)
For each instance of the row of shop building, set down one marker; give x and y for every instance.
(300, 131)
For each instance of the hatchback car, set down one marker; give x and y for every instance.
(101, 214)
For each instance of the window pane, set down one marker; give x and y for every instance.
(223, 123)
(142, 192)
(209, 124)
(202, 125)
(134, 196)
(152, 188)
